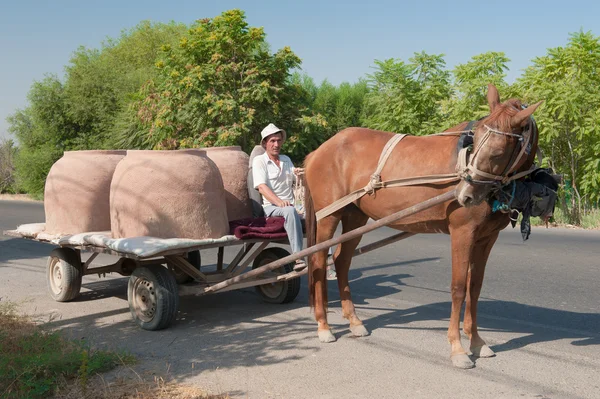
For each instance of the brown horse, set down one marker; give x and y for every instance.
(345, 163)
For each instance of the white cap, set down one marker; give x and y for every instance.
(272, 129)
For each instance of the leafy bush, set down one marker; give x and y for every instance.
(8, 152)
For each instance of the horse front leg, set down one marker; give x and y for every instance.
(463, 244)
(481, 254)
(325, 230)
(352, 219)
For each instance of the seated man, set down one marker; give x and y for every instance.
(274, 176)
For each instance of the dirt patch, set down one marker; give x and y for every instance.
(132, 386)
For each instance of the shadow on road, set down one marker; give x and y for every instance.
(18, 248)
(537, 324)
(235, 329)
(215, 331)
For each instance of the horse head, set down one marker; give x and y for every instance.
(503, 143)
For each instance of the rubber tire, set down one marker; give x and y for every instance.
(288, 289)
(166, 296)
(71, 272)
(195, 260)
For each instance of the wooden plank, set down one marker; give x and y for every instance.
(183, 264)
(440, 199)
(241, 253)
(89, 262)
(250, 258)
(376, 245)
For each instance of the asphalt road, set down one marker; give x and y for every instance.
(540, 312)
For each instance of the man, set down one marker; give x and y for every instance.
(274, 176)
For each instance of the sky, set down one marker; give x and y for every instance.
(336, 40)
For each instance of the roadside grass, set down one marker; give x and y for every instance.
(589, 220)
(36, 363)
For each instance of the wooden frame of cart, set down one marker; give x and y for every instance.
(153, 289)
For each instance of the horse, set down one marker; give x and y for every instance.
(345, 163)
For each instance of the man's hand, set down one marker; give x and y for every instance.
(283, 204)
(266, 192)
(298, 171)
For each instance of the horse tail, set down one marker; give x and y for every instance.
(311, 237)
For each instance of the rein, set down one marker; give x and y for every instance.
(465, 164)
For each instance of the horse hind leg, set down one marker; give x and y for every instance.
(352, 218)
(475, 281)
(325, 230)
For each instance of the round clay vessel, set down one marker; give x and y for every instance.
(233, 165)
(77, 191)
(168, 194)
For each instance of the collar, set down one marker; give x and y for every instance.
(270, 160)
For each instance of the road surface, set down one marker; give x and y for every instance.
(540, 312)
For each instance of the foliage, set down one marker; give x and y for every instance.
(100, 83)
(310, 133)
(326, 109)
(81, 113)
(341, 106)
(44, 130)
(567, 79)
(33, 361)
(219, 86)
(8, 152)
(216, 82)
(405, 97)
(469, 101)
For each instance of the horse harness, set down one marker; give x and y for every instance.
(465, 164)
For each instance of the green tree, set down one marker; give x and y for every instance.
(44, 130)
(81, 113)
(101, 82)
(8, 152)
(406, 97)
(567, 79)
(219, 86)
(326, 109)
(468, 101)
(341, 106)
(348, 106)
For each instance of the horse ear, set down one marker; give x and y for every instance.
(521, 118)
(493, 97)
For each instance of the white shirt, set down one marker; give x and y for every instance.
(280, 181)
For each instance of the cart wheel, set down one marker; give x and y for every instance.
(64, 272)
(153, 297)
(195, 260)
(280, 292)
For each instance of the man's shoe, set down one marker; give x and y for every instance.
(331, 274)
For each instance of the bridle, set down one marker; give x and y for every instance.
(467, 160)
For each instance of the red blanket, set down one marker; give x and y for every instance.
(271, 228)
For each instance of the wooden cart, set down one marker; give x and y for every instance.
(156, 281)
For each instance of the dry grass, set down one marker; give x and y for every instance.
(45, 360)
(134, 388)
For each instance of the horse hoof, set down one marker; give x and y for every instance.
(326, 336)
(359, 330)
(462, 361)
(482, 351)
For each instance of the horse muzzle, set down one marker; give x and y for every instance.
(469, 195)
